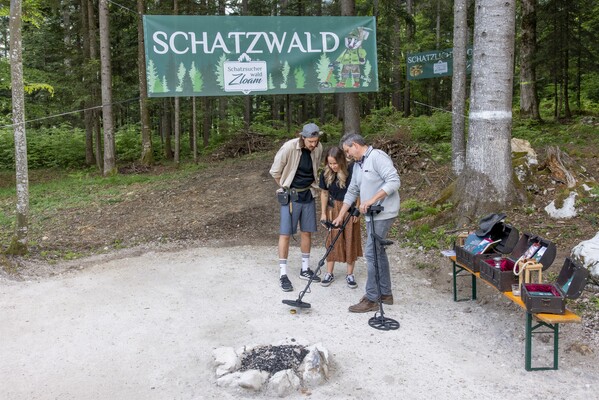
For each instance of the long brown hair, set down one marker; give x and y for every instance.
(329, 174)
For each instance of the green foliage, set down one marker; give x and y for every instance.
(425, 237)
(422, 234)
(58, 147)
(431, 129)
(383, 122)
(556, 133)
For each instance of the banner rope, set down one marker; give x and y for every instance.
(67, 113)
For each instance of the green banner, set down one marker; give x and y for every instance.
(232, 55)
(433, 64)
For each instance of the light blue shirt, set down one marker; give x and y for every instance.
(375, 172)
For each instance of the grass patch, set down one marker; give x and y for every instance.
(62, 191)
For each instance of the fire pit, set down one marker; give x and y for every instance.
(278, 369)
(273, 359)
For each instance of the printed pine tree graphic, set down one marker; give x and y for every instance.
(271, 83)
(165, 88)
(197, 82)
(322, 68)
(219, 71)
(180, 75)
(300, 78)
(285, 73)
(367, 71)
(154, 84)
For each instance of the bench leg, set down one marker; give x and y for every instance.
(530, 329)
(456, 273)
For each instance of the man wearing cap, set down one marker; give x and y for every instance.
(295, 169)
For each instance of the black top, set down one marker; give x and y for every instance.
(334, 190)
(304, 177)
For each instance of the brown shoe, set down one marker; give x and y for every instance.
(387, 299)
(364, 305)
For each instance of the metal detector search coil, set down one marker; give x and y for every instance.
(379, 321)
(302, 304)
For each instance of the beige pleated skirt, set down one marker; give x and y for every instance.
(348, 246)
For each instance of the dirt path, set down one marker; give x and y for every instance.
(144, 326)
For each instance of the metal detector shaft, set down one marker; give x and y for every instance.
(299, 303)
(379, 321)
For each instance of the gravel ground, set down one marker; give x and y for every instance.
(143, 324)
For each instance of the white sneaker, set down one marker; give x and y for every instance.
(351, 282)
(328, 279)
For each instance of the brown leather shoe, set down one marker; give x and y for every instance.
(387, 299)
(364, 305)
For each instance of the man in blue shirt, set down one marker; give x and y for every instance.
(376, 182)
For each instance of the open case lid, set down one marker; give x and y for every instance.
(572, 278)
(543, 251)
(508, 236)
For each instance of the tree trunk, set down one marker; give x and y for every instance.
(458, 88)
(194, 130)
(566, 63)
(167, 150)
(529, 103)
(177, 131)
(19, 241)
(223, 123)
(247, 101)
(105, 66)
(147, 157)
(177, 111)
(397, 72)
(486, 183)
(351, 101)
(207, 121)
(87, 104)
(94, 89)
(407, 111)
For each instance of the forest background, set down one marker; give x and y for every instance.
(412, 118)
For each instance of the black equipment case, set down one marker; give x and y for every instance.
(503, 277)
(507, 236)
(551, 298)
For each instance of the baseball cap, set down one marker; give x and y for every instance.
(310, 130)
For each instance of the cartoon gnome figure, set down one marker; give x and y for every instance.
(353, 57)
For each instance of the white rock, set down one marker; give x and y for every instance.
(315, 366)
(523, 146)
(567, 211)
(253, 379)
(243, 350)
(283, 383)
(587, 254)
(588, 189)
(226, 360)
(229, 380)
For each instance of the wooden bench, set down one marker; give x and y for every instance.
(542, 320)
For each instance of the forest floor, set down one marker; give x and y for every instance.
(228, 212)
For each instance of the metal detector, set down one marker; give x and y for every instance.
(379, 321)
(353, 212)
